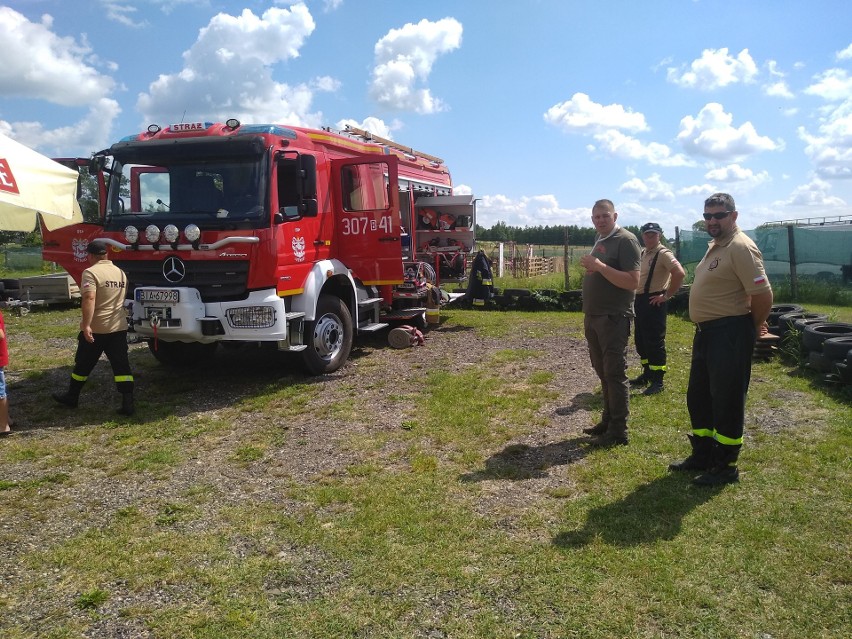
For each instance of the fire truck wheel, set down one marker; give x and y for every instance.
(328, 337)
(181, 354)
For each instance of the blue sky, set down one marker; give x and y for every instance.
(538, 107)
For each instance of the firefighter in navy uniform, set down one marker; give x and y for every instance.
(103, 329)
(659, 279)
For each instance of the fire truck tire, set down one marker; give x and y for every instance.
(181, 354)
(328, 337)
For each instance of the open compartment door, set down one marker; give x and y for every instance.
(445, 233)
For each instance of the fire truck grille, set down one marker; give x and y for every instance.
(216, 281)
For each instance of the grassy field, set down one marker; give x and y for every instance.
(474, 511)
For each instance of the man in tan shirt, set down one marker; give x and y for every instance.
(103, 328)
(729, 302)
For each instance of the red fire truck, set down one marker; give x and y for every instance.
(267, 233)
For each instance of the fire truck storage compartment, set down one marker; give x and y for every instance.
(444, 233)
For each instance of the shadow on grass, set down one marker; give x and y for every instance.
(519, 461)
(652, 512)
(581, 401)
(226, 378)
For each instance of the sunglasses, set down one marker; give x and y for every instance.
(717, 216)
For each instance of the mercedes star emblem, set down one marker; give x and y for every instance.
(174, 270)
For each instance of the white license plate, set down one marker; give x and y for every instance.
(171, 296)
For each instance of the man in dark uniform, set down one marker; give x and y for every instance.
(103, 328)
(659, 279)
(612, 275)
(729, 302)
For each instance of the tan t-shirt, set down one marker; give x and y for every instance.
(662, 271)
(110, 286)
(730, 272)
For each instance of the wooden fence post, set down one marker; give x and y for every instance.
(567, 259)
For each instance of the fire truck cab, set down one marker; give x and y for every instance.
(267, 233)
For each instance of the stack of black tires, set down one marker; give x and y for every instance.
(821, 344)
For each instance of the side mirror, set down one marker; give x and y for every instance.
(309, 207)
(96, 164)
(308, 172)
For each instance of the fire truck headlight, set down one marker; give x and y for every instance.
(131, 234)
(171, 233)
(152, 233)
(192, 232)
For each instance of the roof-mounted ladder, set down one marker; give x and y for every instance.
(369, 137)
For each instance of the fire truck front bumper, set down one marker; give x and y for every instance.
(179, 314)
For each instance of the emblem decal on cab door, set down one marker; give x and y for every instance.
(299, 248)
(78, 247)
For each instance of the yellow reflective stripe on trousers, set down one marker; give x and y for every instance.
(727, 441)
(657, 368)
(644, 362)
(78, 378)
(123, 378)
(703, 432)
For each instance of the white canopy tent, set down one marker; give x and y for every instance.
(32, 184)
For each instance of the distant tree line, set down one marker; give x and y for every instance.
(542, 235)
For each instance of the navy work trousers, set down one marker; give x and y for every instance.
(114, 345)
(719, 377)
(650, 334)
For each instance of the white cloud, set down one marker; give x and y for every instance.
(831, 85)
(38, 64)
(534, 210)
(404, 61)
(777, 88)
(228, 72)
(605, 124)
(581, 115)
(715, 69)
(122, 13)
(327, 84)
(736, 174)
(617, 144)
(814, 194)
(651, 189)
(376, 126)
(831, 149)
(846, 54)
(710, 134)
(702, 191)
(90, 134)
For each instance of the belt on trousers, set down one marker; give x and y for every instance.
(722, 321)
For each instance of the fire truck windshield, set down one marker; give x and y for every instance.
(231, 189)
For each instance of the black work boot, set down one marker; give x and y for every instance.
(597, 429)
(701, 457)
(724, 469)
(644, 379)
(656, 386)
(71, 397)
(127, 407)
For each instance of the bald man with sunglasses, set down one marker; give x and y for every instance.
(729, 302)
